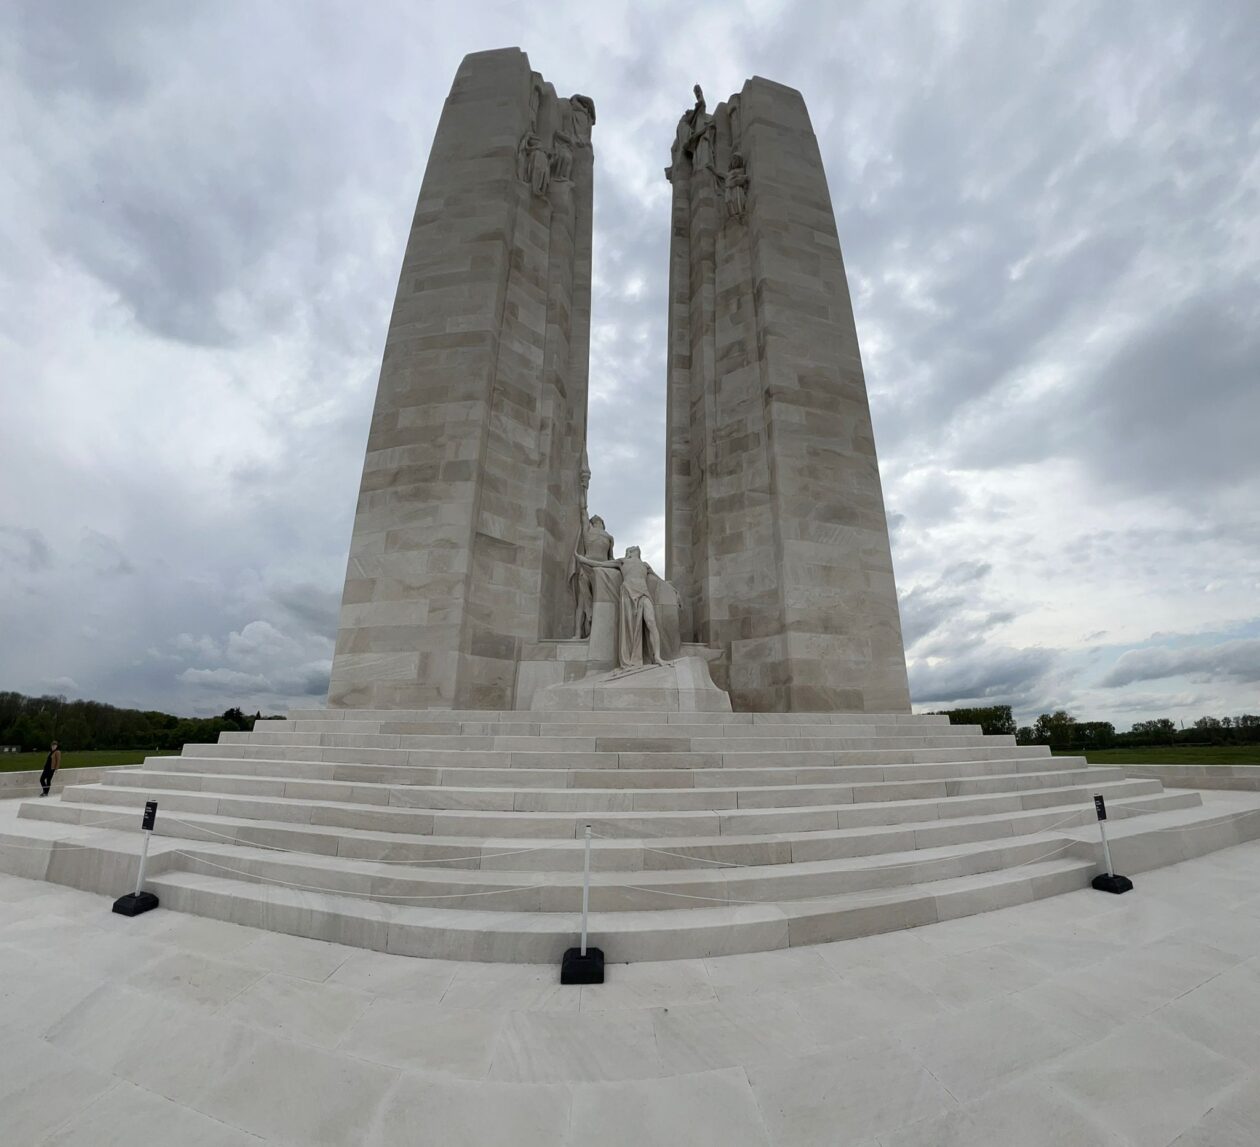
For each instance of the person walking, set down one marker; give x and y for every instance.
(51, 765)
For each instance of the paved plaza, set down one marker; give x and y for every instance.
(1075, 1021)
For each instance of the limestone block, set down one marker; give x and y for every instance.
(681, 686)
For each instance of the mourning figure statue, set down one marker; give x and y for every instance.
(638, 636)
(533, 165)
(735, 187)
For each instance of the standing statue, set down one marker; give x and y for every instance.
(638, 637)
(562, 157)
(691, 128)
(704, 145)
(596, 543)
(533, 165)
(735, 187)
(583, 119)
(564, 141)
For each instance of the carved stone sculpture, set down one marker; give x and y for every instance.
(638, 635)
(533, 165)
(691, 129)
(583, 119)
(562, 157)
(735, 187)
(597, 544)
(703, 143)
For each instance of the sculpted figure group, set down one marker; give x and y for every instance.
(696, 138)
(638, 590)
(540, 165)
(638, 634)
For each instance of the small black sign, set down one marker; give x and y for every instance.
(150, 815)
(1100, 808)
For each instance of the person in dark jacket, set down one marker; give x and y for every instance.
(51, 765)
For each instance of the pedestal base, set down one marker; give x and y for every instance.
(578, 969)
(681, 686)
(134, 903)
(1116, 884)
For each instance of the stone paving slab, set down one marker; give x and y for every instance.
(1084, 1020)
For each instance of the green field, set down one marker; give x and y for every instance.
(15, 762)
(1169, 755)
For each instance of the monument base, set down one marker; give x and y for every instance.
(1112, 883)
(576, 968)
(682, 686)
(134, 903)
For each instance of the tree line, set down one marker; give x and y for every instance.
(1061, 730)
(32, 723)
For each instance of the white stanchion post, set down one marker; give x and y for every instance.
(144, 859)
(1111, 882)
(140, 901)
(1102, 831)
(586, 886)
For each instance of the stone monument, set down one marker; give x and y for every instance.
(463, 535)
(478, 578)
(776, 535)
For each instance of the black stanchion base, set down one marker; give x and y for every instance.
(134, 903)
(578, 969)
(1116, 884)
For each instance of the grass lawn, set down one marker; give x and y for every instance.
(1171, 755)
(15, 762)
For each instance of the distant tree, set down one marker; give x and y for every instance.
(1162, 731)
(992, 719)
(32, 722)
(1095, 734)
(1057, 728)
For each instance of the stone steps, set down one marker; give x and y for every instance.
(695, 759)
(588, 717)
(487, 776)
(657, 890)
(541, 937)
(878, 807)
(532, 728)
(608, 744)
(581, 799)
(460, 834)
(627, 854)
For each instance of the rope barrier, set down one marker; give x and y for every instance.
(348, 892)
(738, 864)
(364, 859)
(114, 818)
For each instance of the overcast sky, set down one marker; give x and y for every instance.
(1050, 215)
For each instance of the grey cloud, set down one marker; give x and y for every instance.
(925, 608)
(220, 195)
(105, 555)
(1230, 661)
(304, 681)
(1177, 409)
(994, 674)
(25, 547)
(314, 606)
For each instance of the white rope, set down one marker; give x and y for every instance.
(901, 864)
(69, 843)
(344, 891)
(872, 894)
(366, 859)
(881, 893)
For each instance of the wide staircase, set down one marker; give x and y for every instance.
(462, 834)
